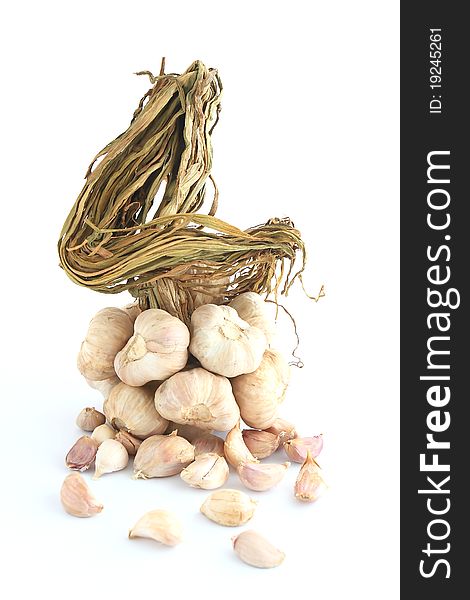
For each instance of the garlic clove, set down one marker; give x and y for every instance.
(235, 448)
(260, 443)
(103, 432)
(89, 418)
(76, 497)
(162, 456)
(229, 507)
(208, 472)
(296, 449)
(82, 454)
(111, 457)
(159, 525)
(208, 443)
(284, 429)
(251, 307)
(255, 550)
(130, 443)
(309, 485)
(261, 477)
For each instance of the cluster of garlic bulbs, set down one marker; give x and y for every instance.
(167, 388)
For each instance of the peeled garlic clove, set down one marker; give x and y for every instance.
(197, 397)
(256, 551)
(296, 449)
(132, 409)
(89, 418)
(104, 386)
(223, 343)
(309, 485)
(260, 393)
(261, 477)
(157, 350)
(81, 454)
(130, 443)
(76, 497)
(159, 525)
(282, 428)
(102, 433)
(111, 457)
(208, 471)
(251, 307)
(162, 456)
(229, 507)
(208, 443)
(260, 443)
(235, 448)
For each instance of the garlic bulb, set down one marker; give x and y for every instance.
(111, 457)
(253, 309)
(208, 471)
(157, 350)
(132, 409)
(89, 418)
(259, 394)
(223, 343)
(162, 456)
(107, 334)
(197, 397)
(105, 385)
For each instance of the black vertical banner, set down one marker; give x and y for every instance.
(435, 269)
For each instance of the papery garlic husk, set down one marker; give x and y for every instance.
(208, 472)
(82, 453)
(235, 449)
(107, 334)
(102, 433)
(309, 485)
(259, 394)
(296, 449)
(197, 397)
(255, 550)
(89, 418)
(111, 457)
(189, 432)
(162, 456)
(223, 343)
(105, 386)
(229, 507)
(132, 310)
(76, 497)
(206, 290)
(157, 350)
(159, 525)
(132, 409)
(251, 307)
(283, 429)
(208, 443)
(261, 444)
(261, 477)
(130, 443)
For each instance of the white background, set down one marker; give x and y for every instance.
(309, 129)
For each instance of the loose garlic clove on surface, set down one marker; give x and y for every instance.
(159, 525)
(223, 343)
(111, 457)
(197, 397)
(208, 443)
(208, 472)
(260, 443)
(229, 507)
(259, 394)
(162, 456)
(89, 418)
(255, 550)
(102, 433)
(82, 454)
(282, 428)
(76, 497)
(297, 448)
(105, 386)
(107, 334)
(309, 485)
(261, 477)
(251, 307)
(130, 443)
(235, 448)
(157, 350)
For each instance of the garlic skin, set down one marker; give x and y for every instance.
(208, 443)
(159, 525)
(259, 394)
(223, 343)
(208, 472)
(255, 550)
(89, 418)
(104, 386)
(107, 334)
(132, 409)
(157, 350)
(261, 477)
(230, 508)
(297, 448)
(82, 454)
(251, 307)
(132, 310)
(203, 291)
(284, 429)
(130, 443)
(261, 444)
(235, 449)
(197, 397)
(102, 433)
(76, 497)
(162, 456)
(111, 457)
(189, 432)
(309, 485)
